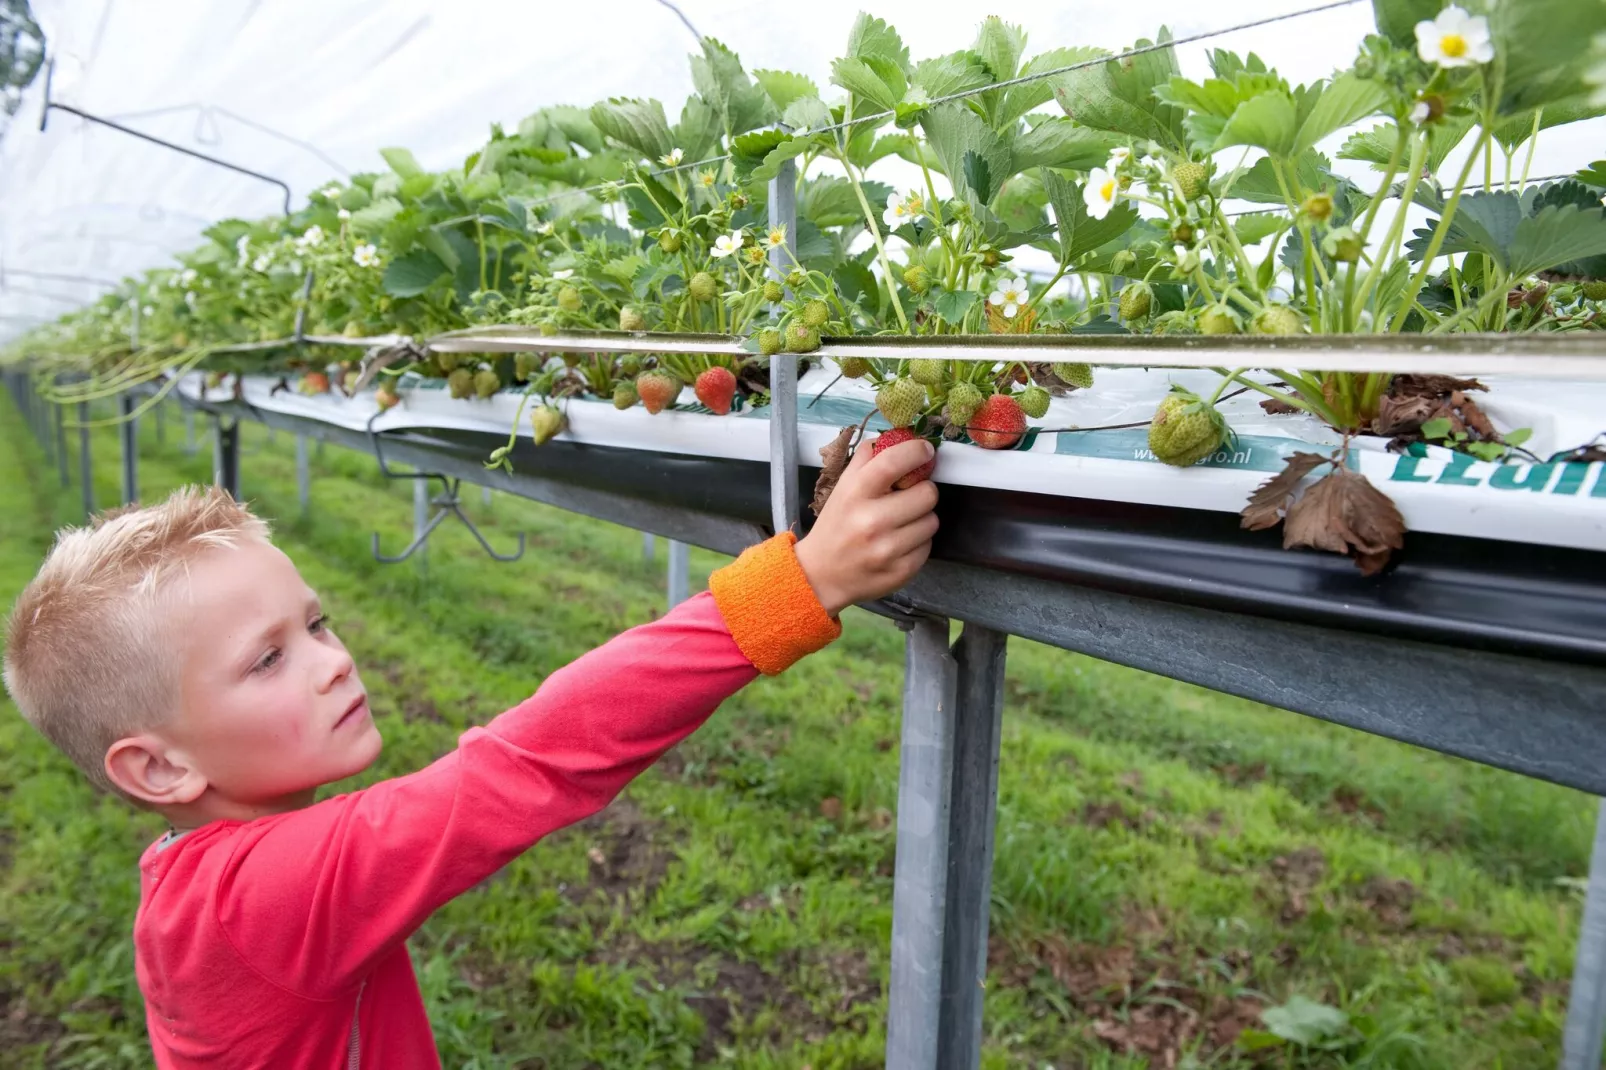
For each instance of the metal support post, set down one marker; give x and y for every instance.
(226, 456)
(161, 423)
(61, 447)
(189, 432)
(86, 466)
(679, 565)
(128, 434)
(646, 546)
(485, 497)
(1585, 1030)
(303, 474)
(421, 515)
(973, 812)
(783, 369)
(920, 883)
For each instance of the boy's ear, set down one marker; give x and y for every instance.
(152, 771)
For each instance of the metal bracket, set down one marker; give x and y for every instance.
(446, 503)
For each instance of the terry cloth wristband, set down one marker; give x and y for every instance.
(769, 607)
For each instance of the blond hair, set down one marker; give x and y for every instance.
(88, 660)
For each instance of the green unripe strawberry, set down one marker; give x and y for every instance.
(1078, 375)
(702, 287)
(569, 299)
(769, 341)
(448, 361)
(918, 279)
(353, 329)
(630, 365)
(963, 401)
(900, 401)
(815, 313)
(1182, 233)
(1136, 300)
(525, 366)
(1176, 321)
(1218, 320)
(774, 292)
(796, 278)
(1033, 402)
(548, 329)
(631, 319)
(1193, 180)
(669, 241)
(460, 384)
(1278, 319)
(546, 422)
(1123, 262)
(1185, 430)
(624, 395)
(1595, 289)
(1318, 206)
(801, 338)
(928, 372)
(853, 367)
(486, 382)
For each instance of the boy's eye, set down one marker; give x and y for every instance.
(267, 661)
(319, 623)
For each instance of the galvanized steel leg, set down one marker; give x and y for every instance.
(646, 546)
(189, 432)
(161, 423)
(783, 369)
(61, 447)
(1586, 1007)
(226, 456)
(421, 516)
(303, 475)
(485, 497)
(679, 566)
(128, 435)
(86, 465)
(978, 719)
(920, 882)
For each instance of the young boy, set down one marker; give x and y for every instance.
(178, 658)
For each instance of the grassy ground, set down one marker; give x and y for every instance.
(1170, 862)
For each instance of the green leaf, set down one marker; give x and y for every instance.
(1258, 226)
(807, 113)
(1060, 142)
(698, 132)
(1516, 130)
(750, 150)
(1593, 175)
(640, 124)
(1000, 45)
(1341, 102)
(1118, 96)
(411, 275)
(736, 99)
(372, 220)
(858, 286)
(624, 268)
(810, 243)
(437, 244)
(1021, 203)
(954, 305)
(1266, 121)
(1259, 1040)
(978, 176)
(829, 200)
(904, 146)
(1437, 428)
(872, 38)
(1079, 232)
(1305, 1022)
(652, 204)
(1259, 183)
(954, 131)
(863, 78)
(1020, 99)
(789, 149)
(1374, 146)
(957, 72)
(1555, 236)
(1483, 223)
(784, 87)
(1397, 19)
(1544, 46)
(402, 162)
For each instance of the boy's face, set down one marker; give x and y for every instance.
(272, 706)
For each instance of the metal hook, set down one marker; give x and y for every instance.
(446, 503)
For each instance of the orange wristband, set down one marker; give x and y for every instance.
(769, 607)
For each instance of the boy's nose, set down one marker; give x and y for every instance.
(337, 667)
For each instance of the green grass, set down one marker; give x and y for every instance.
(1170, 861)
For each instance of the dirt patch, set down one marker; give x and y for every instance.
(1101, 815)
(1347, 800)
(626, 852)
(21, 1027)
(1239, 774)
(1295, 876)
(1389, 900)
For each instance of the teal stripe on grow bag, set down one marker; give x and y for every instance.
(1255, 453)
(835, 412)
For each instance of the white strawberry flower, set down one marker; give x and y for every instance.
(1420, 113)
(313, 236)
(243, 247)
(1187, 259)
(330, 192)
(1100, 193)
(673, 159)
(262, 263)
(1118, 156)
(344, 214)
(365, 255)
(726, 244)
(1010, 295)
(187, 278)
(902, 208)
(775, 238)
(547, 229)
(563, 273)
(189, 299)
(1454, 39)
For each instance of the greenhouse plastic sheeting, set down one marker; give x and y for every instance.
(1436, 490)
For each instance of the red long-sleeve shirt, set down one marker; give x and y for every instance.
(281, 942)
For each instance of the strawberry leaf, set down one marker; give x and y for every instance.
(1266, 504)
(1344, 513)
(835, 456)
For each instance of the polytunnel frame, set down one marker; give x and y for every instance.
(1532, 715)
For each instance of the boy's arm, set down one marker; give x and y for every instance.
(314, 897)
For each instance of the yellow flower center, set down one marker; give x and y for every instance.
(1107, 191)
(1453, 45)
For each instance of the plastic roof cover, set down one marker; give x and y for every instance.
(306, 90)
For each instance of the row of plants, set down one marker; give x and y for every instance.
(1120, 170)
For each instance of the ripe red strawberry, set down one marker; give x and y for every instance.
(315, 383)
(998, 424)
(386, 397)
(892, 438)
(715, 388)
(658, 390)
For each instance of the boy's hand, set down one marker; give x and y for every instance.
(871, 539)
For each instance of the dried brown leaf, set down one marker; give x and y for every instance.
(1404, 415)
(381, 357)
(835, 456)
(1043, 375)
(1473, 417)
(1344, 512)
(1430, 386)
(1266, 504)
(1278, 407)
